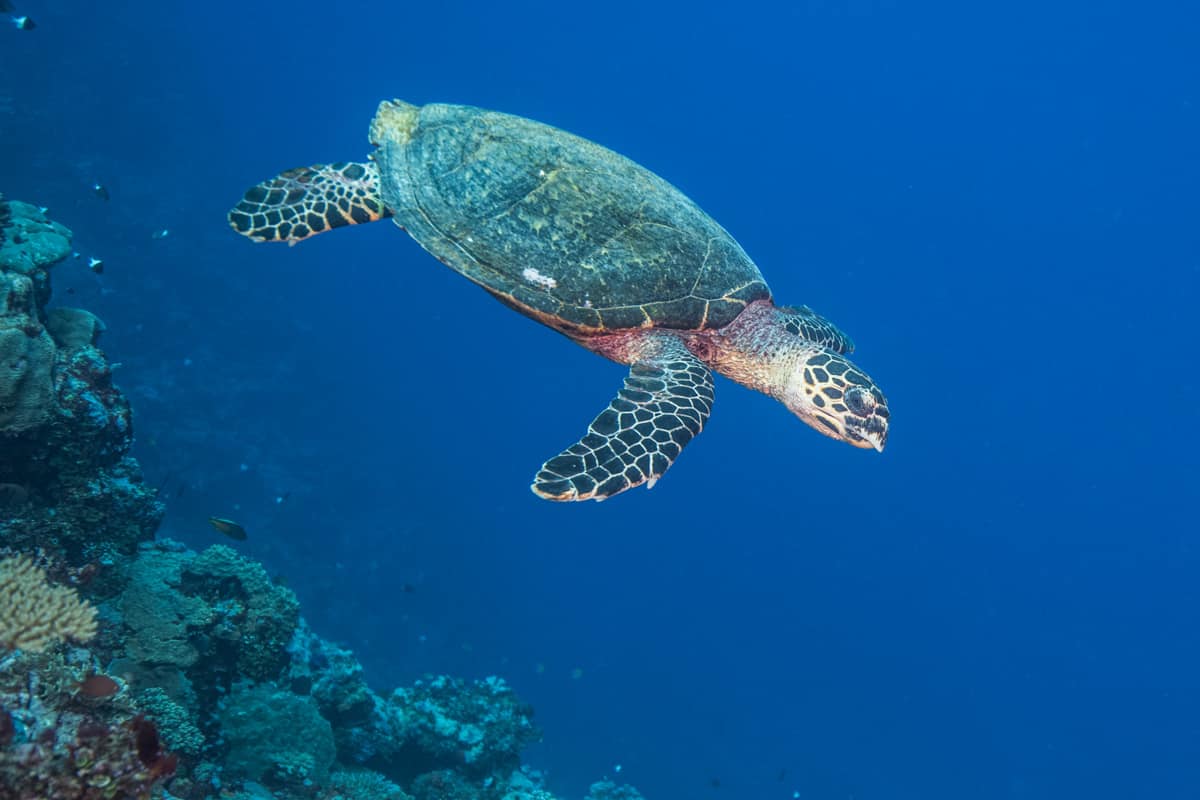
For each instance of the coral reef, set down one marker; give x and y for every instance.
(67, 485)
(607, 790)
(275, 737)
(477, 728)
(474, 729)
(35, 613)
(132, 667)
(258, 618)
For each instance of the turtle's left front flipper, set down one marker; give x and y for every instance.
(664, 403)
(305, 201)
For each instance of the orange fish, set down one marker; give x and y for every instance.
(99, 686)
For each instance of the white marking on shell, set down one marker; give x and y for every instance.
(538, 279)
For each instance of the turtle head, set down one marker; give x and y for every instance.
(835, 397)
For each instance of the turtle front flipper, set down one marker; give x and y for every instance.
(305, 201)
(664, 403)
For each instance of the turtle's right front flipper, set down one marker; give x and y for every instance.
(663, 406)
(305, 201)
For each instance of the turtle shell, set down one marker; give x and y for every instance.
(558, 227)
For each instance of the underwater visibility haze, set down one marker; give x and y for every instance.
(267, 529)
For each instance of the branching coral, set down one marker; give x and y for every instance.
(34, 613)
(362, 785)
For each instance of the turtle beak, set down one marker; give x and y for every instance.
(872, 434)
(877, 432)
(867, 442)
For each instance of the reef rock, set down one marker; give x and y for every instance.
(65, 428)
(73, 328)
(26, 358)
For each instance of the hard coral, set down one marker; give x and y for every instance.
(478, 728)
(26, 358)
(275, 737)
(35, 614)
(160, 622)
(260, 616)
(333, 677)
(30, 243)
(362, 784)
(29, 246)
(216, 616)
(174, 721)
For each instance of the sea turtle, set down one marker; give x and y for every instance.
(601, 250)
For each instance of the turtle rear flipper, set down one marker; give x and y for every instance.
(305, 201)
(663, 405)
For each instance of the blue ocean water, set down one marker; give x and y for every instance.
(999, 204)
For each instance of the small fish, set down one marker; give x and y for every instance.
(98, 686)
(96, 265)
(85, 574)
(164, 233)
(24, 23)
(100, 191)
(407, 588)
(283, 498)
(229, 528)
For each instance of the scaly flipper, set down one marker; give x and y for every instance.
(665, 402)
(305, 201)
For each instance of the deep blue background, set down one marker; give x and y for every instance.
(999, 205)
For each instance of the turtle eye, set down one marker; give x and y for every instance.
(860, 401)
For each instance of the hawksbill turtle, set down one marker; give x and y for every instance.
(600, 249)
